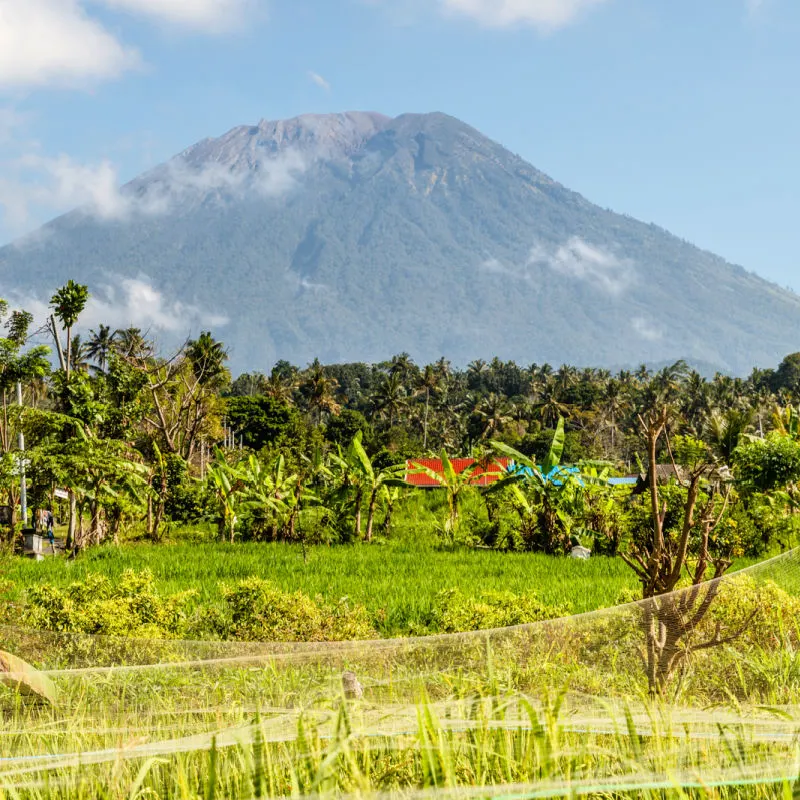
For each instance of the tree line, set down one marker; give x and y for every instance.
(141, 441)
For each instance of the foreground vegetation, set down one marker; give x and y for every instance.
(229, 542)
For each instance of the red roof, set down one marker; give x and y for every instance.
(482, 476)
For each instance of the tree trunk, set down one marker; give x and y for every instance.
(359, 498)
(373, 501)
(94, 525)
(425, 424)
(71, 521)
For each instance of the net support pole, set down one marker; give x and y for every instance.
(23, 486)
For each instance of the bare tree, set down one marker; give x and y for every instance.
(672, 621)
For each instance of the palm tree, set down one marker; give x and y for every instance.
(428, 383)
(549, 409)
(494, 413)
(477, 371)
(390, 398)
(725, 430)
(130, 342)
(207, 357)
(100, 345)
(404, 366)
(442, 367)
(319, 390)
(615, 403)
(78, 354)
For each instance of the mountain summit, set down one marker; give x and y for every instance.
(355, 236)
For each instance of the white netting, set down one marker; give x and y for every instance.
(553, 708)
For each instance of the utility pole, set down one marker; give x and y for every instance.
(23, 488)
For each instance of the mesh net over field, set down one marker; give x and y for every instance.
(549, 709)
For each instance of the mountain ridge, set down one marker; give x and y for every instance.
(354, 236)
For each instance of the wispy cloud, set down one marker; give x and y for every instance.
(545, 15)
(647, 329)
(581, 261)
(319, 80)
(34, 187)
(61, 43)
(209, 16)
(129, 302)
(575, 260)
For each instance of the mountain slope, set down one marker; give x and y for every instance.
(355, 236)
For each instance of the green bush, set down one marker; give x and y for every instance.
(261, 612)
(453, 612)
(127, 606)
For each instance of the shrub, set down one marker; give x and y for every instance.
(261, 612)
(453, 612)
(127, 606)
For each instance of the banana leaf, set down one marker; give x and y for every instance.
(25, 680)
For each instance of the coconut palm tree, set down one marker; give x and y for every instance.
(79, 354)
(494, 412)
(319, 390)
(390, 399)
(130, 343)
(100, 345)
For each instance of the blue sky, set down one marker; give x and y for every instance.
(684, 113)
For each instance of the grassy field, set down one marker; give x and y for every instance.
(396, 582)
(552, 710)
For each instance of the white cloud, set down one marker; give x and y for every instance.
(496, 267)
(207, 15)
(319, 80)
(59, 43)
(267, 177)
(129, 302)
(35, 187)
(543, 14)
(44, 42)
(546, 15)
(579, 260)
(648, 330)
(576, 260)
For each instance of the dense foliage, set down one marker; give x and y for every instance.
(141, 441)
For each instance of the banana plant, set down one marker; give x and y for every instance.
(274, 494)
(226, 483)
(455, 485)
(545, 496)
(362, 480)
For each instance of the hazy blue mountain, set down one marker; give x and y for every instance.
(356, 236)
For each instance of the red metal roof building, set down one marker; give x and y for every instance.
(484, 475)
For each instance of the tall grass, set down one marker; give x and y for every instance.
(396, 582)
